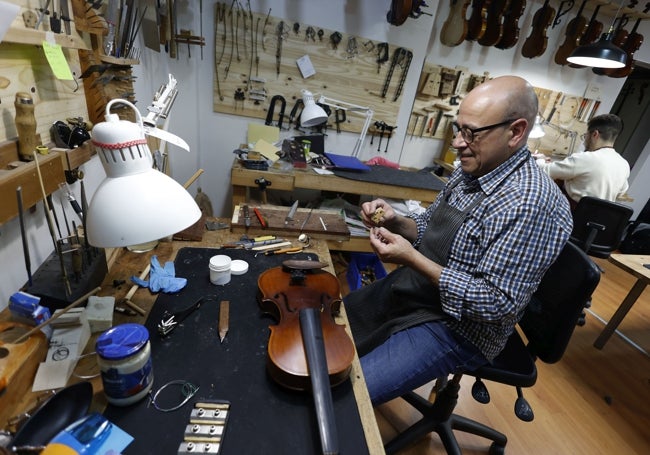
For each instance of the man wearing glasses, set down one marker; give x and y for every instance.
(471, 262)
(599, 171)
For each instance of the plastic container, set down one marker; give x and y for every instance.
(220, 269)
(363, 264)
(124, 358)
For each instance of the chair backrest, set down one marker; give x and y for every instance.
(599, 225)
(555, 307)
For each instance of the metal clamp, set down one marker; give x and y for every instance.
(170, 320)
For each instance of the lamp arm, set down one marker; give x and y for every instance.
(361, 110)
(364, 130)
(337, 104)
(162, 103)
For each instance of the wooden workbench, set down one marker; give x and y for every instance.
(243, 179)
(123, 264)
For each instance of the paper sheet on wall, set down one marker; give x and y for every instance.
(270, 134)
(57, 61)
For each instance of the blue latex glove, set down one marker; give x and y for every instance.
(161, 278)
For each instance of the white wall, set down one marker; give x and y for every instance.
(213, 136)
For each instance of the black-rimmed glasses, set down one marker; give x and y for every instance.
(469, 134)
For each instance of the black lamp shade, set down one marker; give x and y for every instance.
(601, 54)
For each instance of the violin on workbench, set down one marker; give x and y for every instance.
(307, 348)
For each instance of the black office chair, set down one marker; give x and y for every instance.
(548, 323)
(599, 225)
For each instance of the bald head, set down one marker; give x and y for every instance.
(507, 97)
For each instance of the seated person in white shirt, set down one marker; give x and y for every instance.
(599, 171)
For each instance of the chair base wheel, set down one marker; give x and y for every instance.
(497, 449)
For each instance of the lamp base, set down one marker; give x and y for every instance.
(47, 281)
(143, 247)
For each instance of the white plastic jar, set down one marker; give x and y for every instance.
(124, 358)
(220, 269)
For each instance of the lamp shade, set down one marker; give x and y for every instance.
(537, 130)
(135, 203)
(601, 54)
(312, 114)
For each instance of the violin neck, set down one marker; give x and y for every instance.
(312, 335)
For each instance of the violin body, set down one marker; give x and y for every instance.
(510, 34)
(535, 44)
(632, 44)
(477, 22)
(574, 30)
(284, 296)
(454, 29)
(594, 29)
(400, 10)
(494, 23)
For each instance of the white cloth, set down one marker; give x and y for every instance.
(601, 173)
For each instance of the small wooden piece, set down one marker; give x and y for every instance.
(18, 365)
(224, 315)
(376, 217)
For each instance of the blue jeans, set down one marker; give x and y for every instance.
(414, 356)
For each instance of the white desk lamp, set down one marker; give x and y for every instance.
(136, 203)
(313, 115)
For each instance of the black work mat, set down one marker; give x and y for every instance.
(390, 176)
(264, 418)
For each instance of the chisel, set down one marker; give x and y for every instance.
(292, 213)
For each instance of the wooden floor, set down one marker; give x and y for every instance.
(591, 402)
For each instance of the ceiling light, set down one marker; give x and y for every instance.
(601, 54)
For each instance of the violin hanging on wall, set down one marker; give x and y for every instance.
(494, 23)
(594, 29)
(400, 10)
(477, 22)
(307, 349)
(535, 44)
(574, 30)
(510, 34)
(454, 29)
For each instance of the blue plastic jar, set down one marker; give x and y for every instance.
(124, 358)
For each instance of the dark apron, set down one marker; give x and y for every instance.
(406, 298)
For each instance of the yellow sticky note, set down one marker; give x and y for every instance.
(56, 59)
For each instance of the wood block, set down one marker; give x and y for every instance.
(26, 177)
(18, 365)
(275, 215)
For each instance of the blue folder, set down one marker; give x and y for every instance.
(348, 163)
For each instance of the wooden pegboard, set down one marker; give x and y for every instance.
(342, 73)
